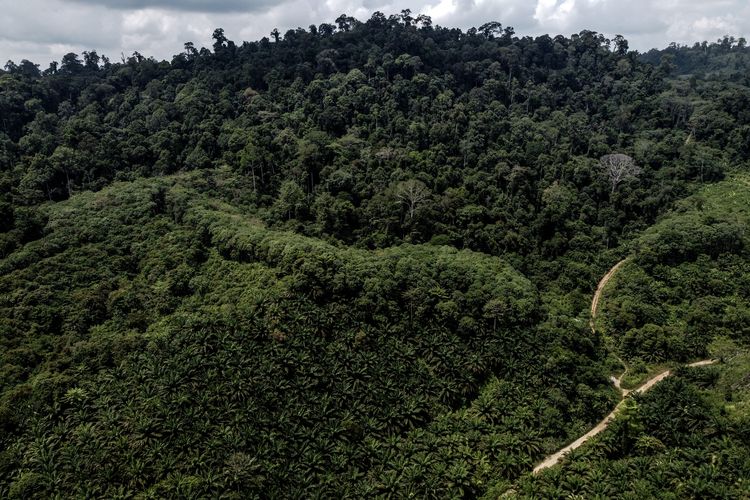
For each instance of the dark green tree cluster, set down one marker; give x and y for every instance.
(385, 131)
(727, 57)
(355, 259)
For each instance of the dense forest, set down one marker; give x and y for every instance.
(357, 260)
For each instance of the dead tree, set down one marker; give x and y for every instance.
(619, 167)
(412, 193)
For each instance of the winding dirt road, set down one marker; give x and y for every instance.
(557, 456)
(616, 381)
(600, 289)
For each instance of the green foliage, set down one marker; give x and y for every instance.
(206, 354)
(215, 279)
(502, 135)
(683, 439)
(688, 283)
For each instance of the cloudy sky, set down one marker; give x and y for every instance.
(43, 30)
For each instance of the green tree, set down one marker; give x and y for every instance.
(290, 202)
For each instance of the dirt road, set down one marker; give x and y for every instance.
(557, 456)
(600, 289)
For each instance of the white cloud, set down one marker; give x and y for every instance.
(42, 30)
(441, 10)
(182, 5)
(704, 27)
(554, 12)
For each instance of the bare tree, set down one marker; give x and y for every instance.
(412, 193)
(619, 167)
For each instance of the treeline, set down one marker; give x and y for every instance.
(726, 58)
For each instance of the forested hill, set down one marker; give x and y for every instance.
(683, 294)
(727, 58)
(498, 134)
(353, 260)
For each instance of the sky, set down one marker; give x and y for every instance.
(45, 30)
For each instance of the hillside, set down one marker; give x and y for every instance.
(204, 353)
(357, 260)
(725, 59)
(688, 281)
(683, 294)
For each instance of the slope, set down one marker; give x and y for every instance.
(687, 436)
(687, 282)
(206, 355)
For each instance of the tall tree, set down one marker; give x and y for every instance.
(619, 167)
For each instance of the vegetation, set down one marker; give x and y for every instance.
(686, 438)
(688, 282)
(356, 260)
(205, 354)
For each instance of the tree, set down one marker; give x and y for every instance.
(290, 201)
(64, 160)
(425, 21)
(52, 68)
(406, 17)
(253, 156)
(91, 60)
(71, 64)
(621, 45)
(491, 29)
(723, 349)
(667, 65)
(220, 39)
(344, 22)
(619, 167)
(412, 193)
(495, 309)
(190, 50)
(28, 69)
(326, 29)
